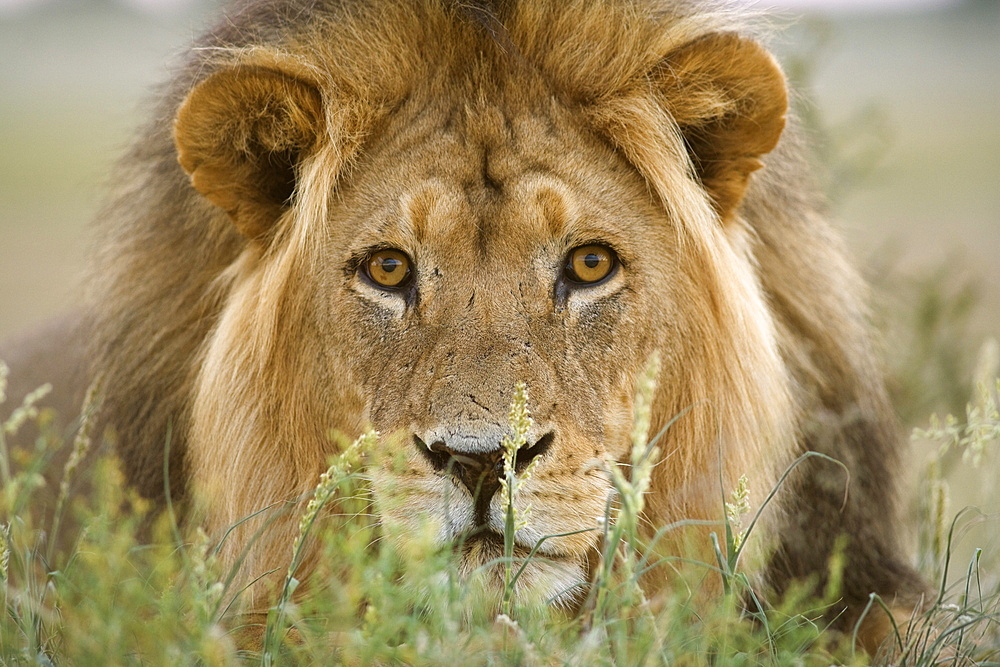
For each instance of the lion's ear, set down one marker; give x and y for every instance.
(240, 135)
(729, 97)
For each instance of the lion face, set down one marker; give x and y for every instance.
(455, 284)
(416, 246)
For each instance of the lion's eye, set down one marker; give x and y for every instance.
(388, 268)
(590, 264)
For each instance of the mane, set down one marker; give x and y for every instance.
(217, 368)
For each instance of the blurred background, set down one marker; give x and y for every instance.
(902, 96)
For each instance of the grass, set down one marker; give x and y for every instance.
(134, 589)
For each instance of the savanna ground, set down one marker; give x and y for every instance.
(905, 107)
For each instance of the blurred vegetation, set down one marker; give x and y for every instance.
(120, 595)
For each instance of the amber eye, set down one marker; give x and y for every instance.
(590, 264)
(388, 268)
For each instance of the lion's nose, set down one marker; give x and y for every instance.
(479, 472)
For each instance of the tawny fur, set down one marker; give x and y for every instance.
(486, 140)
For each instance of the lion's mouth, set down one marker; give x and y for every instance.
(484, 540)
(482, 546)
(483, 534)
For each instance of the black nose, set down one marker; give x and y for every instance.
(479, 472)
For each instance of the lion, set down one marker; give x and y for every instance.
(346, 213)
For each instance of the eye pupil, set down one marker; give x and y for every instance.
(591, 261)
(390, 264)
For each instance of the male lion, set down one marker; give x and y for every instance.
(389, 212)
